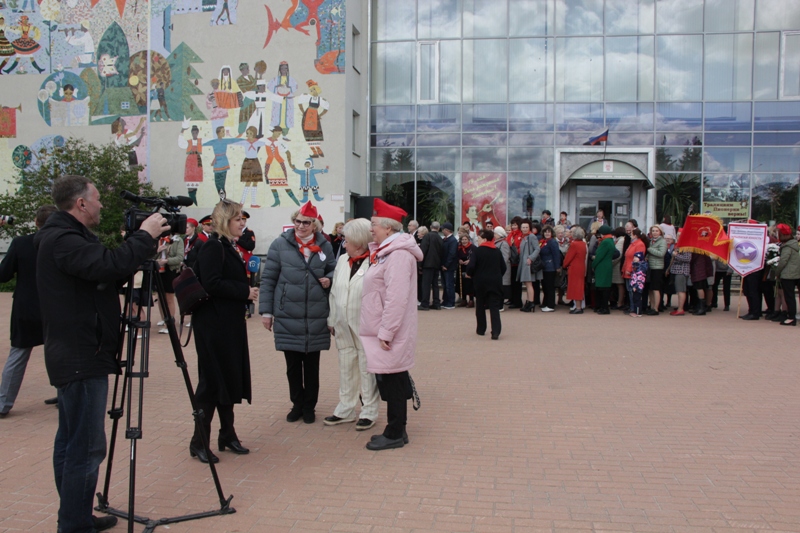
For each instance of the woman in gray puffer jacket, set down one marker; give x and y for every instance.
(295, 302)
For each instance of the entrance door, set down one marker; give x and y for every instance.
(614, 200)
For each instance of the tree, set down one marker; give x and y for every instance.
(106, 165)
(184, 83)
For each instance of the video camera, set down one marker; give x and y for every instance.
(170, 204)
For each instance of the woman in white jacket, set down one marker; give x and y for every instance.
(343, 322)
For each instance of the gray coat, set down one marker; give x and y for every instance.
(293, 297)
(505, 250)
(528, 249)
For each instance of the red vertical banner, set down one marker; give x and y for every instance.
(484, 196)
(8, 122)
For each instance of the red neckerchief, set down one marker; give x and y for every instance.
(373, 257)
(311, 247)
(354, 260)
(488, 244)
(464, 249)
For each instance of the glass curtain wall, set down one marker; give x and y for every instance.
(471, 98)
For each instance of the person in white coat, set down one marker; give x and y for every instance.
(343, 322)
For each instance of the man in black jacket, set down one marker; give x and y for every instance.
(449, 266)
(431, 246)
(77, 281)
(26, 320)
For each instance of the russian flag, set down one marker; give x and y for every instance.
(597, 138)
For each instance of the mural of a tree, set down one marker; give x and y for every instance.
(159, 74)
(114, 47)
(95, 88)
(184, 83)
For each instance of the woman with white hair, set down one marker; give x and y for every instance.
(388, 328)
(294, 299)
(343, 323)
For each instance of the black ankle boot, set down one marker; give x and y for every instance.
(701, 309)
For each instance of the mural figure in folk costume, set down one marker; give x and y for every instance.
(82, 39)
(25, 45)
(193, 168)
(313, 107)
(220, 163)
(246, 83)
(123, 137)
(158, 101)
(308, 179)
(285, 86)
(275, 167)
(251, 174)
(6, 50)
(218, 114)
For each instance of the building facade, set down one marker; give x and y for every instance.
(482, 108)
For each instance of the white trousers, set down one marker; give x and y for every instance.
(354, 379)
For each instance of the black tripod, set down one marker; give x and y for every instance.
(134, 378)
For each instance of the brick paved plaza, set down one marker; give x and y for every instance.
(567, 423)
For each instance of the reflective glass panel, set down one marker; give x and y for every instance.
(777, 14)
(679, 16)
(765, 76)
(530, 139)
(485, 117)
(528, 159)
(485, 70)
(395, 187)
(438, 159)
(780, 139)
(775, 198)
(392, 119)
(728, 116)
(386, 141)
(393, 20)
(579, 76)
(629, 16)
(427, 71)
(485, 18)
(579, 17)
(392, 159)
(776, 159)
(632, 139)
(679, 67)
(728, 66)
(484, 159)
(530, 117)
(531, 70)
(438, 19)
(579, 117)
(449, 71)
(394, 73)
(629, 117)
(438, 118)
(529, 193)
(436, 196)
(777, 116)
(630, 68)
(727, 139)
(729, 15)
(439, 139)
(685, 159)
(726, 159)
(726, 194)
(675, 193)
(791, 65)
(678, 139)
(571, 139)
(679, 116)
(484, 139)
(532, 17)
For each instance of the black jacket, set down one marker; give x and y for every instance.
(431, 246)
(76, 278)
(450, 252)
(26, 318)
(486, 268)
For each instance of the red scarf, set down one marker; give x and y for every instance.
(311, 247)
(464, 249)
(488, 244)
(354, 260)
(373, 257)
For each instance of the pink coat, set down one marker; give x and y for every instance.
(389, 306)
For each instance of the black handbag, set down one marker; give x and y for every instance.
(188, 291)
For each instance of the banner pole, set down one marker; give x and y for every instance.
(739, 305)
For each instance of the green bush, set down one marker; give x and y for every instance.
(106, 165)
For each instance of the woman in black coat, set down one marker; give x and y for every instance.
(486, 270)
(223, 358)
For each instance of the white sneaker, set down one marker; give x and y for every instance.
(161, 323)
(163, 330)
(547, 310)
(502, 309)
(448, 307)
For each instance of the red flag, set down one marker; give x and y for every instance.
(8, 122)
(703, 234)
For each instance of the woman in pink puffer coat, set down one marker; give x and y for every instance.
(388, 328)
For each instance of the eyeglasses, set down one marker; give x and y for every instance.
(298, 222)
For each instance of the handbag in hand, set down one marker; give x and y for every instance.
(188, 291)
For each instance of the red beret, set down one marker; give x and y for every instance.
(784, 229)
(192, 221)
(384, 210)
(309, 210)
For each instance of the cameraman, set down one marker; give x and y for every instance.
(77, 278)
